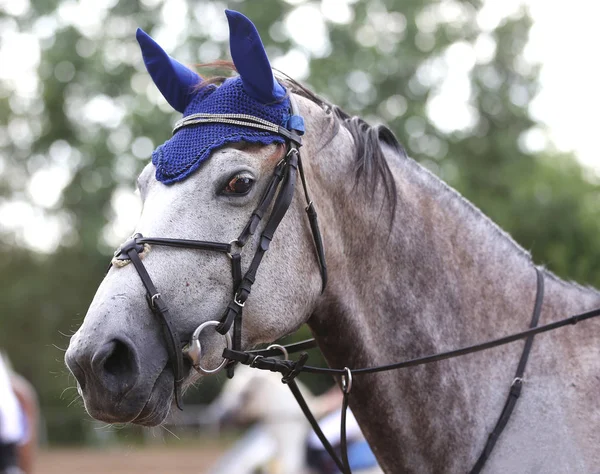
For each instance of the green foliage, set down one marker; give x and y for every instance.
(387, 63)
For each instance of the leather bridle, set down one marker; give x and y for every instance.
(279, 193)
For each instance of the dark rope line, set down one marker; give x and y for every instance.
(240, 355)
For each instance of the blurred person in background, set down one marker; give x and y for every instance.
(14, 431)
(280, 439)
(28, 401)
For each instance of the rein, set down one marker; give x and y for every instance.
(278, 197)
(264, 359)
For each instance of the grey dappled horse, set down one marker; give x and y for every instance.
(414, 269)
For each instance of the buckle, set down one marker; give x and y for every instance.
(237, 301)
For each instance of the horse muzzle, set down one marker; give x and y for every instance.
(112, 382)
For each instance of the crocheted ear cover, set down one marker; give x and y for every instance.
(254, 92)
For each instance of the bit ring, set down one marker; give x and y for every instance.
(194, 350)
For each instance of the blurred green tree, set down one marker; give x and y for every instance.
(455, 90)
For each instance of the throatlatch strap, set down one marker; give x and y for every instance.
(517, 383)
(314, 227)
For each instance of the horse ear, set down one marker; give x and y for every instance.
(174, 81)
(250, 59)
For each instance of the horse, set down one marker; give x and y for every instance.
(412, 268)
(279, 439)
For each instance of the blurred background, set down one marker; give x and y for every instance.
(499, 99)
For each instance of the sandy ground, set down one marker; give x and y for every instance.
(134, 460)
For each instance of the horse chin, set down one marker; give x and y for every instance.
(146, 409)
(159, 402)
(153, 414)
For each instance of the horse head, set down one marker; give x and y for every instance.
(207, 183)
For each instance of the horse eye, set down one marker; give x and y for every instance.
(239, 184)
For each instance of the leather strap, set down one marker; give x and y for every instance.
(236, 274)
(285, 170)
(263, 206)
(290, 348)
(517, 384)
(137, 242)
(243, 285)
(242, 356)
(170, 334)
(280, 207)
(314, 227)
(343, 437)
(261, 359)
(315, 426)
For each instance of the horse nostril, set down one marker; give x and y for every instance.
(119, 361)
(115, 364)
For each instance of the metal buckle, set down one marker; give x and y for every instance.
(153, 298)
(241, 304)
(194, 350)
(292, 149)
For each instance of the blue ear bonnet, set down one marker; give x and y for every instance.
(183, 154)
(254, 92)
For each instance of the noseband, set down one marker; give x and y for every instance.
(279, 192)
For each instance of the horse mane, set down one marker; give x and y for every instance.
(370, 162)
(371, 166)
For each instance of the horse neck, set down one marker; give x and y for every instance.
(437, 273)
(440, 276)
